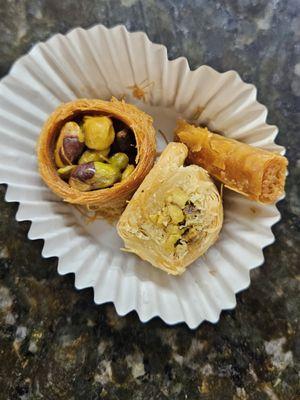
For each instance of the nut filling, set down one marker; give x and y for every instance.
(175, 215)
(181, 222)
(95, 152)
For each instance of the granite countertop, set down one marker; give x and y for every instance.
(54, 342)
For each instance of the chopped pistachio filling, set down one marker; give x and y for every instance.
(181, 220)
(177, 222)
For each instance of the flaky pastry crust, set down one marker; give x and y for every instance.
(170, 191)
(110, 202)
(255, 173)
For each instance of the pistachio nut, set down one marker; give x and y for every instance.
(153, 218)
(119, 160)
(70, 144)
(81, 177)
(99, 132)
(128, 171)
(125, 141)
(174, 233)
(173, 229)
(175, 213)
(94, 155)
(106, 175)
(178, 197)
(94, 175)
(65, 172)
(170, 242)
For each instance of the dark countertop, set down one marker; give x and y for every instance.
(54, 342)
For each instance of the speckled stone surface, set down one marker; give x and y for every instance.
(54, 342)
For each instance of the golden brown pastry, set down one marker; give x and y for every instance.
(253, 172)
(174, 216)
(60, 147)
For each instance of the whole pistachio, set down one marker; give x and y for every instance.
(94, 175)
(81, 176)
(69, 145)
(119, 160)
(94, 155)
(99, 132)
(106, 175)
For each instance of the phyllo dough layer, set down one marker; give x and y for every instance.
(109, 202)
(175, 215)
(251, 171)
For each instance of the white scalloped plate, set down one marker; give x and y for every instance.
(102, 62)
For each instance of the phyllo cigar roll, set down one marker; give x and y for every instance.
(94, 154)
(175, 215)
(251, 171)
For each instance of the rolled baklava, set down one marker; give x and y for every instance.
(251, 171)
